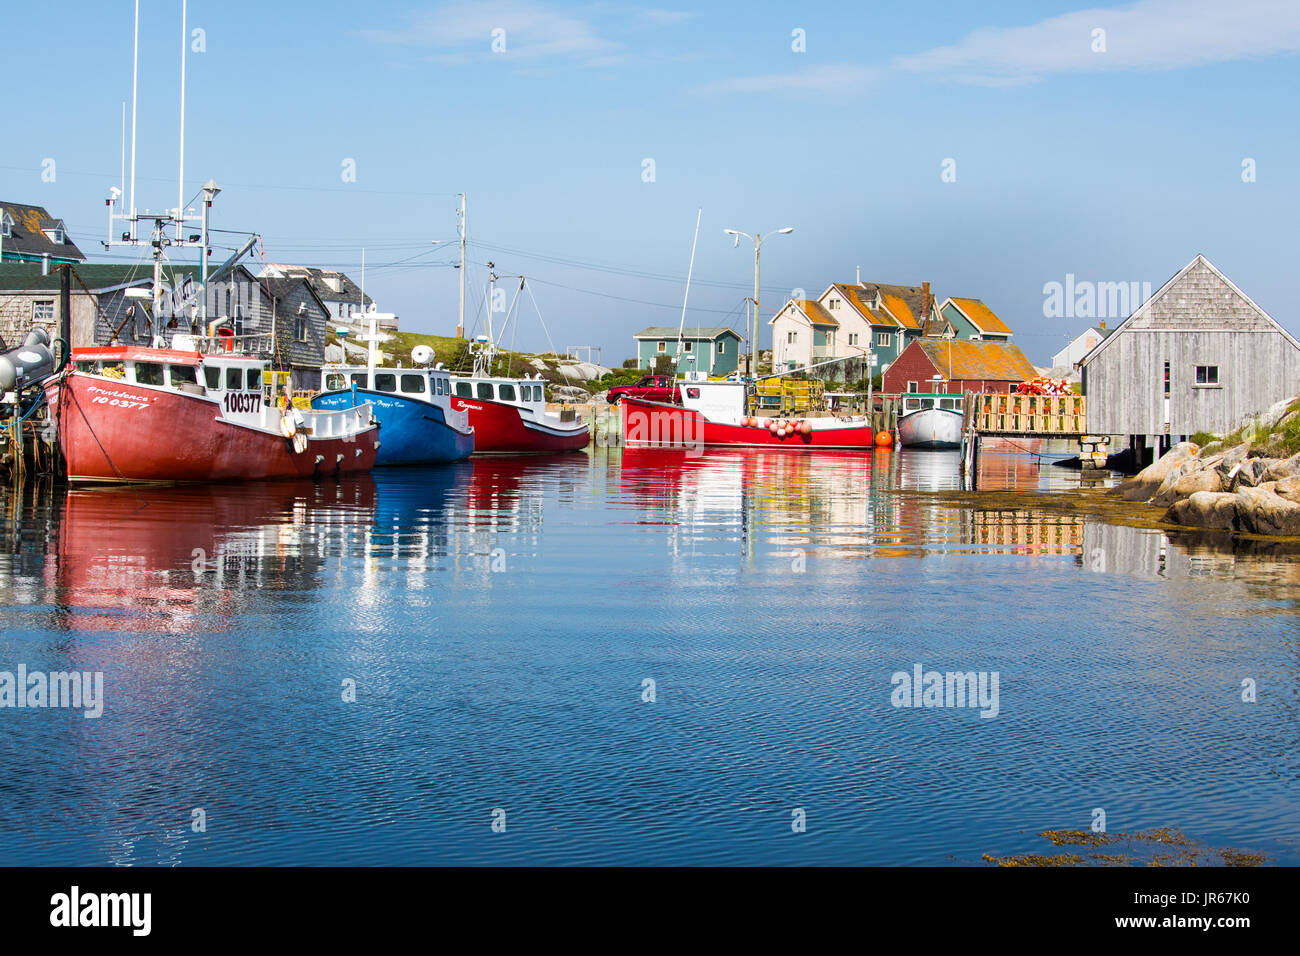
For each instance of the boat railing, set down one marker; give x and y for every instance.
(257, 343)
(340, 423)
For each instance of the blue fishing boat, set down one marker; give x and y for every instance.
(418, 425)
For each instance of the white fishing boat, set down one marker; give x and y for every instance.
(930, 421)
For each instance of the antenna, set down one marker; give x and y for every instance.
(180, 185)
(135, 76)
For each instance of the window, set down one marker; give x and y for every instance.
(385, 382)
(882, 338)
(90, 368)
(43, 311)
(212, 374)
(1166, 379)
(913, 386)
(692, 393)
(688, 346)
(148, 373)
(853, 338)
(1207, 375)
(485, 391)
(413, 383)
(183, 375)
(300, 329)
(57, 237)
(234, 378)
(464, 390)
(911, 404)
(833, 304)
(507, 392)
(791, 338)
(6, 225)
(945, 403)
(254, 378)
(335, 382)
(361, 379)
(663, 347)
(722, 347)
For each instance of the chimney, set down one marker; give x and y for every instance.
(45, 263)
(925, 300)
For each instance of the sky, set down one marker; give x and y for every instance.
(990, 149)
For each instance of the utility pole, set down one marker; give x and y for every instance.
(753, 343)
(464, 226)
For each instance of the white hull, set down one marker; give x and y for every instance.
(930, 428)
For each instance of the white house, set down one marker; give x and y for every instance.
(1073, 353)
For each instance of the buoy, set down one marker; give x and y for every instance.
(806, 428)
(884, 439)
(288, 425)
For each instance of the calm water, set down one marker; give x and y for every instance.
(500, 619)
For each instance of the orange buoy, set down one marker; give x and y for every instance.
(884, 439)
(806, 428)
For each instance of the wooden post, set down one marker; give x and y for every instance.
(65, 310)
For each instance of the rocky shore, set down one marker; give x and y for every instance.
(1232, 489)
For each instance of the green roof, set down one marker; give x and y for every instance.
(690, 332)
(16, 277)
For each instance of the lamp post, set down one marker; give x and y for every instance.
(757, 239)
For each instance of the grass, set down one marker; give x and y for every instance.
(1280, 440)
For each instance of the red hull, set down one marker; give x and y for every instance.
(500, 428)
(656, 425)
(110, 431)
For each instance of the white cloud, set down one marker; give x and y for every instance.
(1148, 35)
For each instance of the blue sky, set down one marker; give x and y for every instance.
(1114, 165)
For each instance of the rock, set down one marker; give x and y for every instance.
(1147, 481)
(1260, 511)
(1288, 488)
(537, 363)
(1254, 471)
(569, 393)
(1204, 479)
(1286, 468)
(1233, 457)
(1205, 509)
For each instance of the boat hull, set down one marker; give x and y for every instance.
(658, 425)
(118, 432)
(930, 428)
(501, 428)
(412, 432)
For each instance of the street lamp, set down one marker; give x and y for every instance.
(210, 191)
(757, 239)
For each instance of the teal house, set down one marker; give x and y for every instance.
(714, 351)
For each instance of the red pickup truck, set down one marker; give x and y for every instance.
(653, 388)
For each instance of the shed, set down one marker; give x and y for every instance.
(962, 365)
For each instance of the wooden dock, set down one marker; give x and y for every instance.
(1009, 415)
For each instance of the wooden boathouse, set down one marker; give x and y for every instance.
(1198, 356)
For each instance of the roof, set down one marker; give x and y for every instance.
(968, 360)
(902, 306)
(320, 280)
(981, 316)
(1198, 262)
(815, 312)
(282, 287)
(98, 277)
(29, 238)
(690, 332)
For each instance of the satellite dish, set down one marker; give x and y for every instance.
(422, 355)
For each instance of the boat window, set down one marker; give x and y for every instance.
(148, 373)
(359, 379)
(254, 378)
(183, 375)
(945, 403)
(485, 391)
(692, 393)
(463, 390)
(912, 404)
(385, 382)
(212, 374)
(507, 392)
(413, 383)
(956, 403)
(234, 378)
(335, 381)
(90, 367)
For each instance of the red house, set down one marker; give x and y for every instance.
(962, 366)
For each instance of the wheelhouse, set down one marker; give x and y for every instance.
(421, 384)
(508, 391)
(919, 402)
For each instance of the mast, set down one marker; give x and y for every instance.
(135, 75)
(682, 327)
(180, 179)
(464, 228)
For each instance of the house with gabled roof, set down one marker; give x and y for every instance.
(971, 319)
(30, 234)
(342, 297)
(1198, 356)
(950, 364)
(30, 297)
(868, 318)
(714, 350)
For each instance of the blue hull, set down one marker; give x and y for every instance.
(410, 432)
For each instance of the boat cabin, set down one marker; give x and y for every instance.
(508, 391)
(418, 384)
(918, 401)
(182, 371)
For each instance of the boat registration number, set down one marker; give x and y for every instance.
(243, 401)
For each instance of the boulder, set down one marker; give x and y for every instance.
(1254, 471)
(569, 393)
(1148, 481)
(1286, 468)
(1202, 479)
(1231, 458)
(1260, 511)
(1205, 509)
(1288, 488)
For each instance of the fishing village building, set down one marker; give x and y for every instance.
(1199, 355)
(346, 303)
(971, 319)
(1081, 345)
(851, 320)
(961, 365)
(30, 297)
(715, 351)
(30, 234)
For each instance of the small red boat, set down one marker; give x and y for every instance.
(509, 416)
(131, 414)
(713, 413)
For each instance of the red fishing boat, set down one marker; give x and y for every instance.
(714, 413)
(194, 412)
